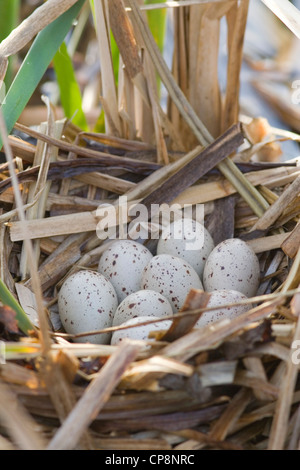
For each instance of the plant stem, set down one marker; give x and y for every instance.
(249, 193)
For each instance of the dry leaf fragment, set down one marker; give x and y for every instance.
(248, 340)
(8, 319)
(258, 131)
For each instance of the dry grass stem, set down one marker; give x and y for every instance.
(20, 425)
(278, 432)
(43, 321)
(94, 398)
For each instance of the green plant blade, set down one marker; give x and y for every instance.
(157, 20)
(7, 298)
(35, 65)
(157, 23)
(115, 54)
(70, 94)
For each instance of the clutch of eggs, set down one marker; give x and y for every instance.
(131, 283)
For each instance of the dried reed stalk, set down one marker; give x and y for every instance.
(255, 365)
(109, 97)
(188, 174)
(108, 160)
(55, 267)
(43, 321)
(41, 189)
(58, 371)
(205, 338)
(236, 24)
(277, 208)
(97, 393)
(197, 194)
(287, 12)
(278, 432)
(291, 244)
(227, 167)
(203, 83)
(183, 325)
(204, 439)
(18, 422)
(227, 420)
(124, 36)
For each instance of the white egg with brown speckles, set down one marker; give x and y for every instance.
(87, 302)
(172, 277)
(139, 332)
(232, 264)
(142, 303)
(220, 298)
(122, 264)
(189, 240)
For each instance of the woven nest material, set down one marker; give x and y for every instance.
(228, 385)
(232, 384)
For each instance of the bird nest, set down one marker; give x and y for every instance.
(232, 384)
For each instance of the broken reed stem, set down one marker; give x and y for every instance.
(221, 428)
(43, 322)
(106, 159)
(247, 191)
(291, 244)
(277, 208)
(238, 16)
(238, 180)
(211, 156)
(109, 98)
(175, 92)
(124, 36)
(293, 279)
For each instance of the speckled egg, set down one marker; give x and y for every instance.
(172, 277)
(122, 264)
(232, 265)
(87, 302)
(142, 303)
(189, 240)
(223, 297)
(139, 332)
